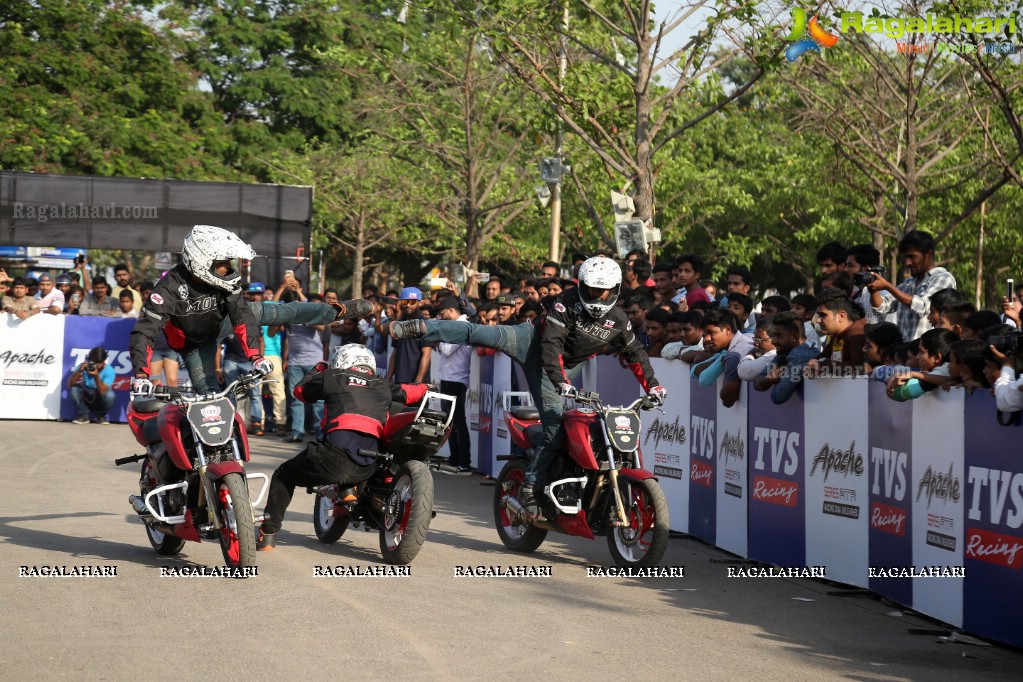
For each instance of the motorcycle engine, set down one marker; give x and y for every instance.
(568, 494)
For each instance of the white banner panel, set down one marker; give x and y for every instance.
(939, 501)
(731, 480)
(472, 408)
(502, 384)
(31, 366)
(665, 448)
(835, 414)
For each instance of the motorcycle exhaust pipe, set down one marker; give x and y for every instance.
(523, 515)
(138, 504)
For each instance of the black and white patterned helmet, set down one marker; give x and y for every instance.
(601, 273)
(352, 355)
(206, 245)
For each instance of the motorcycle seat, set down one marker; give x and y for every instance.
(148, 406)
(526, 412)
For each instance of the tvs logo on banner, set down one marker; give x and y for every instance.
(994, 548)
(1005, 508)
(702, 474)
(775, 491)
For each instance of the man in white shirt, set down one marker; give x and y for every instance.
(453, 371)
(50, 299)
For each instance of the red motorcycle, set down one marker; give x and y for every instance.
(598, 485)
(398, 499)
(193, 484)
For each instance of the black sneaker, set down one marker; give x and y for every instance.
(407, 329)
(355, 308)
(265, 542)
(464, 471)
(103, 420)
(80, 420)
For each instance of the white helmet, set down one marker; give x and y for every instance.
(352, 355)
(206, 245)
(599, 272)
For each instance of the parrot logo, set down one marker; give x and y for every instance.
(817, 39)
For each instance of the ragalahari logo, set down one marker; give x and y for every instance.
(807, 38)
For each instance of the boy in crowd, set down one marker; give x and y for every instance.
(794, 353)
(772, 305)
(741, 306)
(842, 320)
(954, 317)
(18, 302)
(722, 338)
(878, 348)
(657, 331)
(50, 299)
(932, 361)
(691, 333)
(859, 259)
(689, 268)
(830, 258)
(126, 304)
(942, 301)
(762, 355)
(805, 308)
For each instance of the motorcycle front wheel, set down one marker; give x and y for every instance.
(329, 528)
(408, 510)
(238, 530)
(516, 536)
(643, 541)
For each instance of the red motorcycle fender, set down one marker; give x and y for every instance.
(186, 529)
(218, 470)
(170, 420)
(575, 525)
(636, 475)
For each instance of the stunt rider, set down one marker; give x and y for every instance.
(582, 321)
(357, 404)
(198, 303)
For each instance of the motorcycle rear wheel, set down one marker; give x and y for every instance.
(163, 543)
(408, 511)
(329, 528)
(518, 537)
(238, 529)
(644, 540)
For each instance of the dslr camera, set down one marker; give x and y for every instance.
(1010, 344)
(867, 275)
(90, 367)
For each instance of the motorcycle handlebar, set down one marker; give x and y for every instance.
(164, 394)
(592, 397)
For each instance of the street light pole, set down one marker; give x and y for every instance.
(555, 245)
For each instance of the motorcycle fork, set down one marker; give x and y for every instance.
(207, 500)
(613, 475)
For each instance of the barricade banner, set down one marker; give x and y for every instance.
(501, 443)
(994, 523)
(616, 385)
(472, 408)
(777, 502)
(835, 415)
(81, 334)
(938, 505)
(703, 416)
(487, 401)
(891, 520)
(31, 366)
(665, 446)
(730, 476)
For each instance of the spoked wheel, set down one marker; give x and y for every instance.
(408, 509)
(238, 531)
(517, 536)
(167, 545)
(329, 528)
(643, 541)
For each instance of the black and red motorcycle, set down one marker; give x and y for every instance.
(397, 499)
(598, 484)
(193, 484)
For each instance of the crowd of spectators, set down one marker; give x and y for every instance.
(916, 335)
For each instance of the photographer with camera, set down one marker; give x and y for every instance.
(863, 264)
(90, 385)
(911, 300)
(1008, 389)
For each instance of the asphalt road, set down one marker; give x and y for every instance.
(63, 503)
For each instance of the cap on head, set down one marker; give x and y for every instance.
(411, 294)
(257, 288)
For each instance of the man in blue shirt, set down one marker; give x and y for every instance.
(91, 385)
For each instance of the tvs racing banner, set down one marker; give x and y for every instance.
(777, 520)
(993, 548)
(501, 443)
(836, 419)
(703, 445)
(485, 443)
(83, 333)
(665, 444)
(938, 504)
(731, 482)
(891, 538)
(31, 366)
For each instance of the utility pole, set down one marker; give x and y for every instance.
(555, 245)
